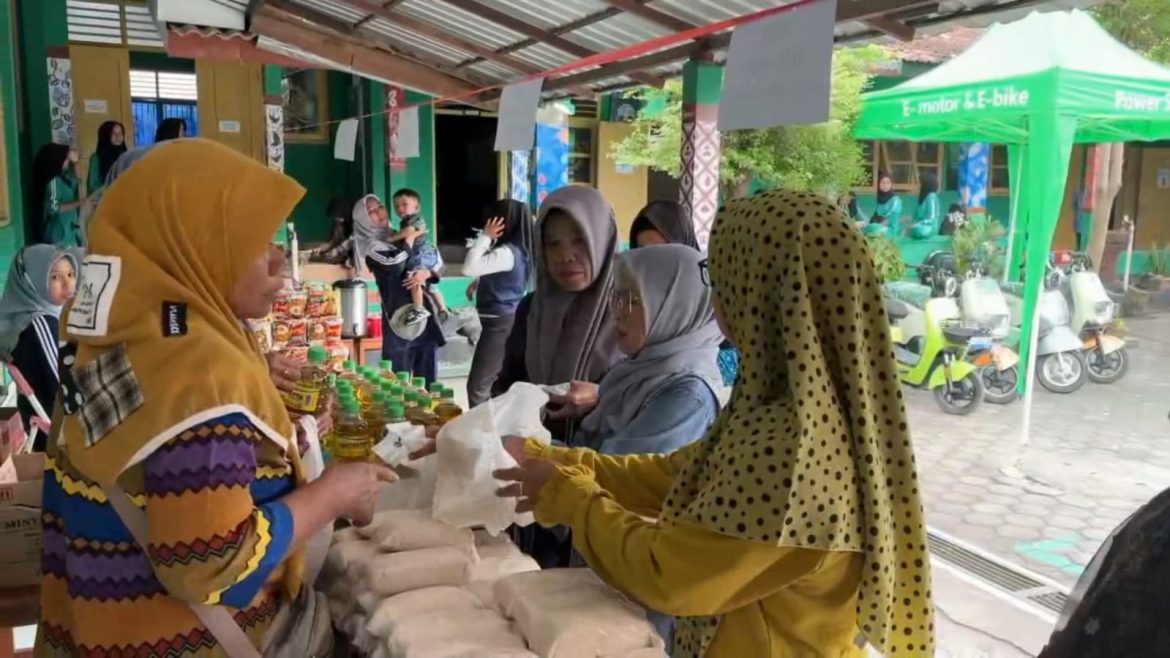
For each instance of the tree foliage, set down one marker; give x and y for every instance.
(1143, 25)
(823, 157)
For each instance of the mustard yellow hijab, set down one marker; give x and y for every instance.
(813, 450)
(176, 230)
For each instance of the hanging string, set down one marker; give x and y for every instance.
(599, 59)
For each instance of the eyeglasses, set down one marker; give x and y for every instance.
(622, 303)
(705, 273)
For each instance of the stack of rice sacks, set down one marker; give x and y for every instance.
(406, 586)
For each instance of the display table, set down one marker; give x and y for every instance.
(18, 607)
(359, 347)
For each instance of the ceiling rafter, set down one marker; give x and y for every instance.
(660, 18)
(300, 33)
(438, 34)
(892, 27)
(385, 4)
(540, 34)
(342, 30)
(857, 10)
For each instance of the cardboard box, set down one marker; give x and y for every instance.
(12, 434)
(20, 523)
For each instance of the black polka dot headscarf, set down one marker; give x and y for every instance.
(813, 450)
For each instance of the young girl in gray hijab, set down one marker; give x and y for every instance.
(41, 279)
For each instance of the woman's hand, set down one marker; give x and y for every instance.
(494, 228)
(417, 279)
(284, 371)
(526, 482)
(579, 401)
(355, 487)
(471, 289)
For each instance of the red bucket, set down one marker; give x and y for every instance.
(374, 326)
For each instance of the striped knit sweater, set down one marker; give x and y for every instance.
(218, 534)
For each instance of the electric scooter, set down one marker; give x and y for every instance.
(1060, 364)
(1093, 311)
(936, 358)
(983, 304)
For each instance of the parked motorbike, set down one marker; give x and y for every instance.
(940, 271)
(935, 359)
(984, 305)
(1093, 313)
(1060, 363)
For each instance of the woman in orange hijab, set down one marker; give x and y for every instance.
(173, 493)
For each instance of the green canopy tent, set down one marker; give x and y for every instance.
(1039, 85)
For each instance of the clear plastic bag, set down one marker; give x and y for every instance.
(470, 449)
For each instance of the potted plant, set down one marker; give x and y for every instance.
(887, 258)
(1157, 276)
(980, 241)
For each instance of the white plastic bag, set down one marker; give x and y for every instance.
(398, 441)
(470, 448)
(314, 464)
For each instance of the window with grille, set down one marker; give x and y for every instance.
(905, 162)
(158, 95)
(999, 180)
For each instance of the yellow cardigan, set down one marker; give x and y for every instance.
(775, 602)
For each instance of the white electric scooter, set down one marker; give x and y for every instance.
(984, 304)
(1093, 313)
(1060, 363)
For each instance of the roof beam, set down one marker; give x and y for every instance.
(894, 28)
(437, 34)
(661, 18)
(363, 59)
(540, 34)
(584, 21)
(856, 10)
(386, 4)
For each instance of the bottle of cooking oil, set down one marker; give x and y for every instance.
(420, 384)
(386, 369)
(375, 417)
(447, 410)
(312, 386)
(353, 434)
(421, 413)
(398, 394)
(395, 412)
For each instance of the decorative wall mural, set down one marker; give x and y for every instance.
(60, 71)
(274, 136)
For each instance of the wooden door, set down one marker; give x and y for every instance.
(101, 92)
(231, 105)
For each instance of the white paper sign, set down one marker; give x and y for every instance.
(345, 141)
(90, 313)
(407, 144)
(229, 126)
(516, 128)
(779, 69)
(97, 106)
(1163, 178)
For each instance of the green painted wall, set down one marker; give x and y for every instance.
(313, 166)
(42, 25)
(420, 171)
(11, 236)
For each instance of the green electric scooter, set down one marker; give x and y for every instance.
(931, 346)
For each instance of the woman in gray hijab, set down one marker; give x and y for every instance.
(563, 331)
(117, 169)
(664, 396)
(663, 222)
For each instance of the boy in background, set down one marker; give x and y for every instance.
(423, 256)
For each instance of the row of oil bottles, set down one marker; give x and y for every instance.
(366, 400)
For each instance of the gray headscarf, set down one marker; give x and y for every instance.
(571, 334)
(668, 218)
(117, 169)
(26, 294)
(365, 232)
(682, 337)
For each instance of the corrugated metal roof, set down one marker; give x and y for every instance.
(611, 29)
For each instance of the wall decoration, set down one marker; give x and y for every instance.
(395, 98)
(552, 160)
(305, 97)
(521, 183)
(274, 136)
(61, 122)
(699, 181)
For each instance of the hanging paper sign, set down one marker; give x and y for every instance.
(345, 142)
(516, 128)
(779, 69)
(227, 126)
(407, 146)
(395, 99)
(96, 106)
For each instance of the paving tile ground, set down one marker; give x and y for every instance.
(1093, 458)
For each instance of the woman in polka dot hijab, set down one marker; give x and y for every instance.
(795, 528)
